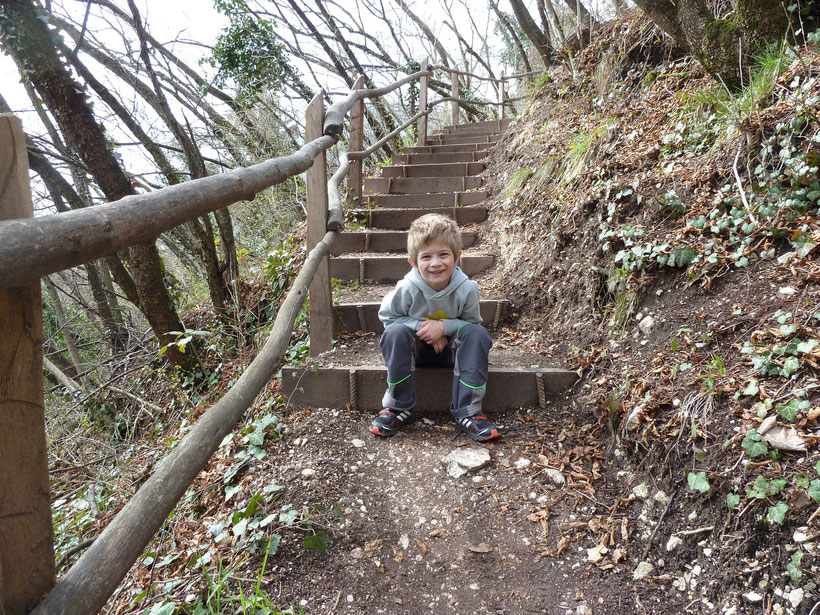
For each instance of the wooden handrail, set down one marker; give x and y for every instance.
(455, 71)
(33, 247)
(335, 115)
(86, 586)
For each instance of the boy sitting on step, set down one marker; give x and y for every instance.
(432, 319)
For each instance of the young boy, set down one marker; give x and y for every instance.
(432, 319)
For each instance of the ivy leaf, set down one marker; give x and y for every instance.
(777, 513)
(754, 445)
(273, 544)
(801, 480)
(814, 490)
(317, 541)
(790, 365)
(732, 500)
(807, 346)
(793, 567)
(288, 517)
(752, 388)
(698, 481)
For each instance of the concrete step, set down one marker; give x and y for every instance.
(392, 268)
(364, 317)
(448, 169)
(382, 241)
(403, 218)
(362, 387)
(434, 199)
(419, 185)
(461, 139)
(439, 158)
(447, 149)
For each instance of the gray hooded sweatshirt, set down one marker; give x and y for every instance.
(413, 301)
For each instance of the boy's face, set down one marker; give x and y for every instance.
(435, 262)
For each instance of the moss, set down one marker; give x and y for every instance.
(518, 180)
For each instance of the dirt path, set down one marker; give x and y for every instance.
(414, 539)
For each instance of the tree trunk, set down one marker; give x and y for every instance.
(113, 324)
(65, 331)
(538, 38)
(27, 39)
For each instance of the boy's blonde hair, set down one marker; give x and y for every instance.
(432, 227)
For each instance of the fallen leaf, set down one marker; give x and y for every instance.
(785, 439)
(480, 548)
(422, 547)
(437, 533)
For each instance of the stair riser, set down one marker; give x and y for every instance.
(460, 139)
(419, 185)
(392, 268)
(447, 149)
(454, 169)
(395, 241)
(439, 158)
(499, 125)
(401, 219)
(421, 201)
(507, 388)
(482, 131)
(364, 318)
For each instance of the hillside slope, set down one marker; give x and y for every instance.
(661, 234)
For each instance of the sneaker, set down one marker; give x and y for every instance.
(478, 427)
(389, 422)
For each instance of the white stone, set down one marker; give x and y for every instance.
(643, 570)
(522, 463)
(661, 498)
(646, 325)
(707, 552)
(800, 535)
(786, 291)
(555, 476)
(641, 491)
(795, 597)
(404, 541)
(357, 443)
(466, 459)
(308, 472)
(753, 597)
(673, 543)
(634, 419)
(357, 553)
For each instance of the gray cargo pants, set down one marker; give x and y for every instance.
(466, 353)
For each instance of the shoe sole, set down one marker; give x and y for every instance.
(493, 434)
(375, 429)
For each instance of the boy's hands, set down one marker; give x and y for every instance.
(432, 332)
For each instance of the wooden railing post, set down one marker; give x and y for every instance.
(321, 316)
(503, 95)
(355, 144)
(454, 94)
(421, 137)
(27, 569)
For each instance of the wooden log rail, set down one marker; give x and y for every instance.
(34, 247)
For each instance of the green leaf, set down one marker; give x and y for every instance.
(273, 544)
(790, 365)
(240, 527)
(166, 608)
(777, 513)
(732, 500)
(317, 541)
(801, 480)
(288, 517)
(336, 509)
(698, 481)
(791, 409)
(793, 567)
(817, 467)
(759, 489)
(814, 490)
(752, 388)
(754, 445)
(231, 491)
(807, 346)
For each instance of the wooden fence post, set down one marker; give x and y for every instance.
(421, 136)
(454, 94)
(27, 569)
(502, 97)
(355, 144)
(321, 315)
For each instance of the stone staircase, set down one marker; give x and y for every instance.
(443, 177)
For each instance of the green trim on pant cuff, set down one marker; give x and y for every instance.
(392, 384)
(470, 386)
